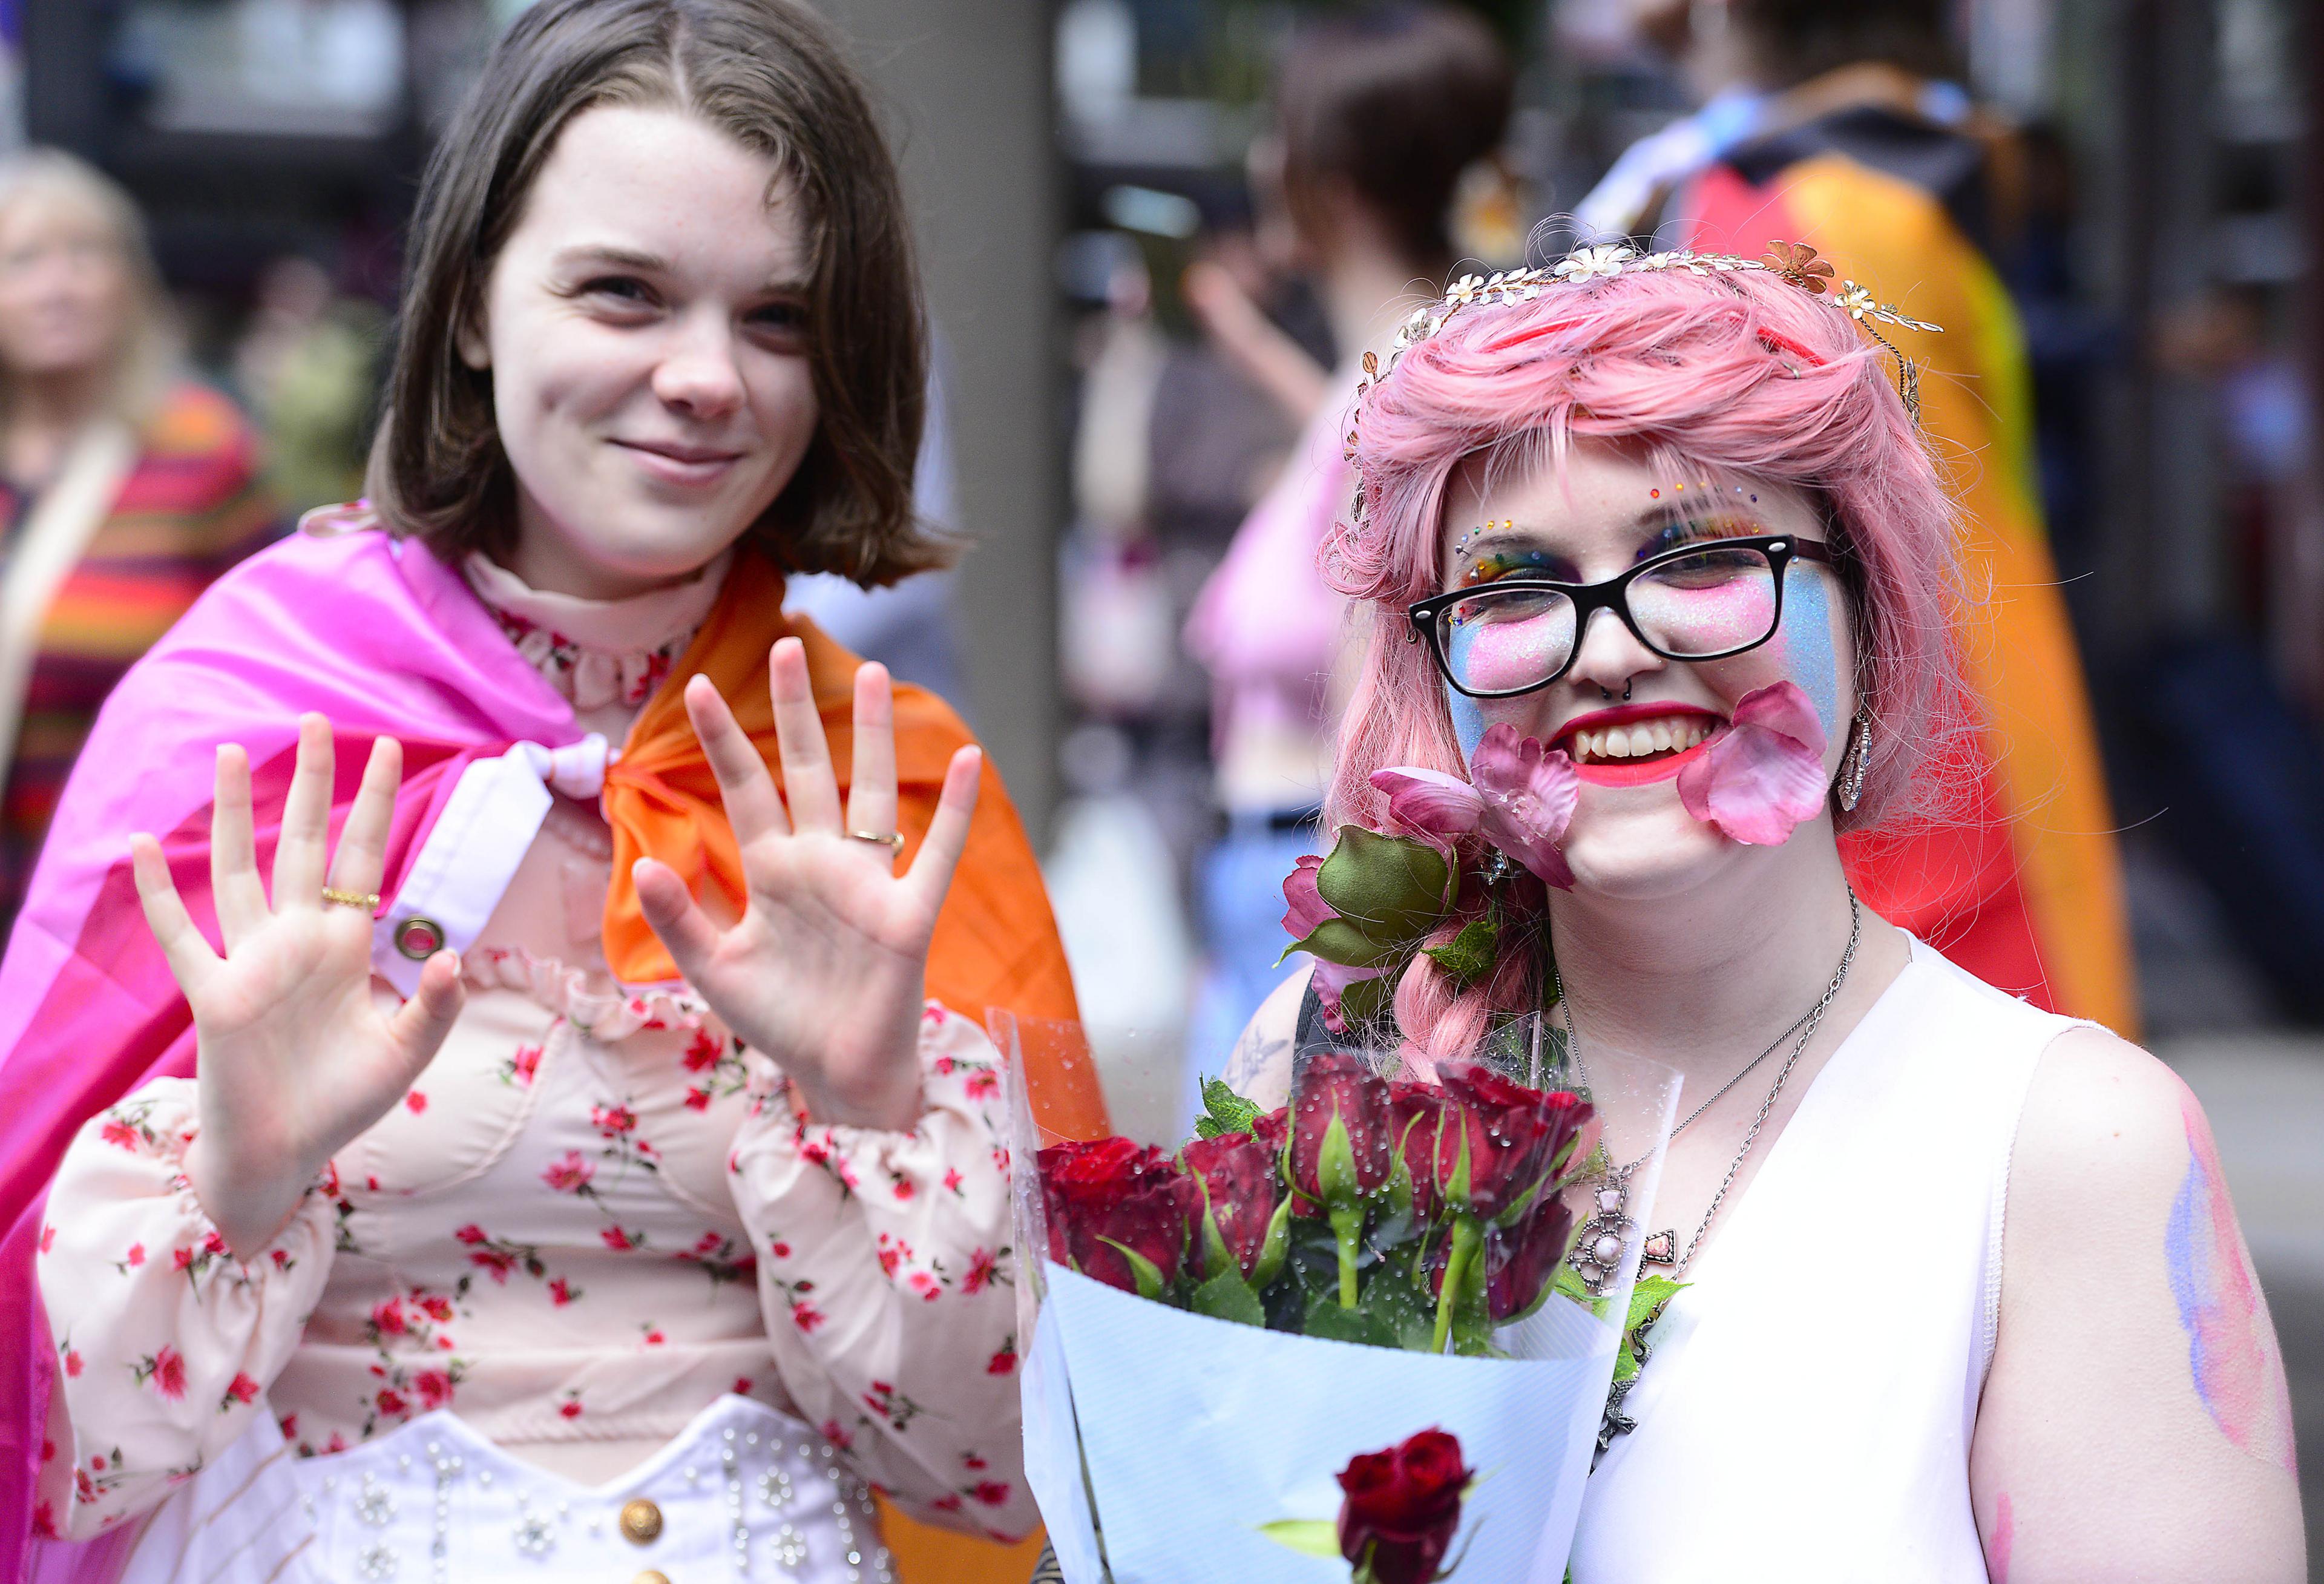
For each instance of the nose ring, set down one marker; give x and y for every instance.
(1605, 693)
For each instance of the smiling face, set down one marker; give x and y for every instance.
(1607, 512)
(645, 329)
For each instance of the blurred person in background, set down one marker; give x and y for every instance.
(505, 1161)
(308, 365)
(1860, 143)
(1380, 119)
(125, 488)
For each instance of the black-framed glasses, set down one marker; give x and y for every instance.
(1700, 602)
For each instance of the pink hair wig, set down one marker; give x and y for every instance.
(1730, 377)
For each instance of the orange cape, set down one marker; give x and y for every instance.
(996, 943)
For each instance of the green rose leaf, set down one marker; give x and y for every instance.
(1223, 1110)
(1227, 1297)
(1406, 1310)
(1471, 955)
(1647, 1301)
(1315, 1537)
(1327, 1319)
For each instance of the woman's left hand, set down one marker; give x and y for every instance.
(826, 970)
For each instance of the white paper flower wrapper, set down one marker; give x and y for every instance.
(1175, 1437)
(1196, 1432)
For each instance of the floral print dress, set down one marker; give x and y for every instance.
(594, 1214)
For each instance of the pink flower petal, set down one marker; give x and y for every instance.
(1782, 708)
(1762, 776)
(1307, 906)
(1529, 792)
(1429, 801)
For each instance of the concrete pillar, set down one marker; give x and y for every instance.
(966, 92)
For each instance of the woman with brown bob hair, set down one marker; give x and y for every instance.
(582, 1157)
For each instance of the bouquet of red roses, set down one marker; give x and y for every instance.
(1397, 1214)
(1297, 1288)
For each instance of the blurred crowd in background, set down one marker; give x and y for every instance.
(2116, 204)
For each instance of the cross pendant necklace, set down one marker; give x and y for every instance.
(1597, 1246)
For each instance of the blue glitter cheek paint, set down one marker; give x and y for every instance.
(1807, 645)
(1467, 720)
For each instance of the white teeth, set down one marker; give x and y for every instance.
(1670, 733)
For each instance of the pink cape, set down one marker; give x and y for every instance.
(378, 635)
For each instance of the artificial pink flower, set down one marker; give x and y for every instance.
(1520, 798)
(1307, 907)
(1762, 774)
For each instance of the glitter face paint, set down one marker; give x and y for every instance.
(2231, 1352)
(1808, 643)
(1513, 645)
(1469, 720)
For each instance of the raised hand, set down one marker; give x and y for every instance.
(294, 1058)
(827, 969)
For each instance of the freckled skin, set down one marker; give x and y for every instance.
(2231, 1355)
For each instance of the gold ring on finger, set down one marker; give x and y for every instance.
(893, 842)
(367, 900)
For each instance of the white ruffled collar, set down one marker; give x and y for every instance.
(598, 652)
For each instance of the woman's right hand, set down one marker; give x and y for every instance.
(294, 1058)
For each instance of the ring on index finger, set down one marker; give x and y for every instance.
(893, 842)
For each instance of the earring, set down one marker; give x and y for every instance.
(1851, 774)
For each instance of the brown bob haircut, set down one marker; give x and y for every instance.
(1396, 101)
(772, 76)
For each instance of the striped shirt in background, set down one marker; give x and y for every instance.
(191, 506)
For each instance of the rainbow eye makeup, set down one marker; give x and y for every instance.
(1495, 565)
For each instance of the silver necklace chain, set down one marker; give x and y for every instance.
(1806, 1028)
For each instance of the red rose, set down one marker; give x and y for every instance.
(1236, 1175)
(1514, 1135)
(1414, 1113)
(1109, 1192)
(1401, 1507)
(1339, 1087)
(1521, 1260)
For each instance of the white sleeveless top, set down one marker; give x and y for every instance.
(1806, 1414)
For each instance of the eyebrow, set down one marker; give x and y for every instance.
(1661, 515)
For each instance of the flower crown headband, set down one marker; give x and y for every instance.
(1794, 264)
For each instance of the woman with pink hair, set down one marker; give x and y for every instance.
(1657, 574)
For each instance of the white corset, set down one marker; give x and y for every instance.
(744, 1493)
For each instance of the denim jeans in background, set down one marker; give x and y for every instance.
(1240, 896)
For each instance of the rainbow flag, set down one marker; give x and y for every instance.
(2026, 891)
